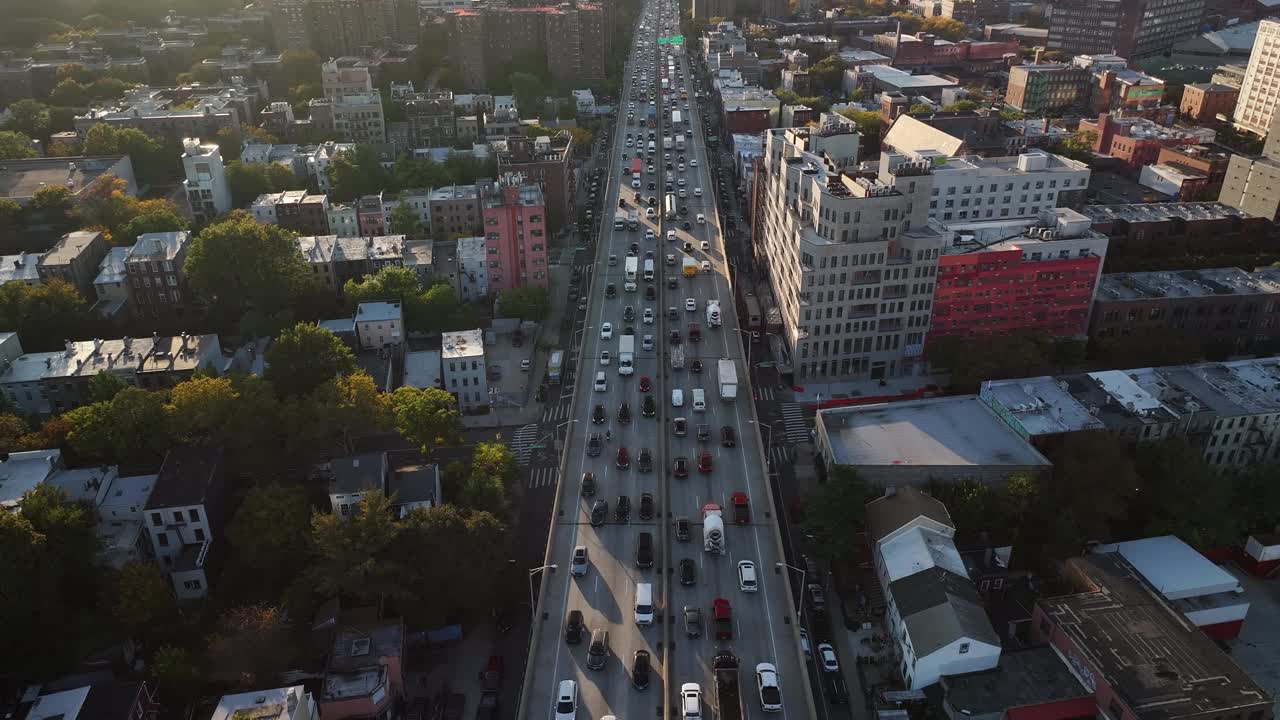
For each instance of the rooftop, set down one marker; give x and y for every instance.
(455, 192)
(22, 472)
(358, 473)
(1159, 212)
(920, 549)
(1160, 665)
(463, 343)
(355, 661)
(112, 268)
(186, 477)
(422, 369)
(939, 607)
(65, 705)
(157, 246)
(20, 179)
(1185, 284)
(1033, 676)
(952, 431)
(23, 267)
(894, 510)
(69, 247)
(378, 312)
(890, 75)
(273, 704)
(413, 484)
(1173, 567)
(1040, 406)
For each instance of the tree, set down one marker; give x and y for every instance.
(29, 117)
(357, 172)
(249, 180)
(457, 556)
(104, 386)
(304, 357)
(251, 645)
(52, 204)
(1182, 495)
(231, 140)
(444, 311)
(869, 122)
(528, 90)
(43, 315)
(239, 263)
(151, 216)
(527, 303)
(351, 551)
(176, 674)
(299, 67)
(910, 23)
(836, 512)
(1094, 480)
(962, 106)
(827, 75)
(340, 409)
(429, 417)
(152, 160)
(582, 140)
(920, 108)
(15, 146)
(203, 409)
(12, 430)
(493, 471)
(141, 598)
(133, 428)
(404, 221)
(108, 205)
(1079, 146)
(948, 28)
(271, 527)
(10, 214)
(69, 93)
(391, 283)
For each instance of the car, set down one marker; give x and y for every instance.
(680, 467)
(705, 464)
(688, 572)
(646, 343)
(695, 366)
(640, 664)
(624, 413)
(622, 509)
(767, 685)
(683, 194)
(706, 246)
(697, 192)
(686, 225)
(525, 365)
(816, 597)
(804, 644)
(692, 617)
(671, 236)
(579, 561)
(594, 444)
(682, 529)
(567, 700)
(679, 426)
(628, 313)
(601, 383)
(606, 330)
(647, 319)
(573, 629)
(644, 461)
(648, 407)
(598, 415)
(693, 162)
(827, 657)
(741, 508)
(690, 702)
(747, 580)
(599, 512)
(588, 484)
(624, 459)
(722, 614)
(605, 357)
(646, 506)
(677, 398)
(650, 294)
(680, 167)
(728, 436)
(671, 283)
(690, 304)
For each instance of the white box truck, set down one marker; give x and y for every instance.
(648, 270)
(620, 220)
(699, 400)
(626, 355)
(728, 374)
(632, 267)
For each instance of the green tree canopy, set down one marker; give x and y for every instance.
(357, 172)
(29, 117)
(446, 541)
(43, 315)
(304, 357)
(352, 552)
(271, 528)
(961, 106)
(527, 303)
(239, 263)
(15, 146)
(133, 428)
(152, 159)
(836, 511)
(142, 598)
(429, 417)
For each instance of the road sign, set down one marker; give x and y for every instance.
(672, 40)
(765, 364)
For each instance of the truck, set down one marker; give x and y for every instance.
(632, 267)
(648, 270)
(728, 374)
(651, 119)
(670, 206)
(626, 355)
(620, 220)
(713, 529)
(680, 143)
(689, 266)
(677, 357)
(728, 691)
(675, 118)
(637, 167)
(713, 313)
(666, 143)
(555, 363)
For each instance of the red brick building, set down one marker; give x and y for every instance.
(1138, 141)
(548, 163)
(1203, 102)
(1174, 229)
(925, 51)
(746, 120)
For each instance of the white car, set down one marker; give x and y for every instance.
(691, 304)
(702, 220)
(680, 167)
(646, 343)
(677, 398)
(683, 194)
(693, 162)
(697, 192)
(767, 684)
(671, 236)
(602, 383)
(804, 644)
(604, 357)
(580, 561)
(648, 234)
(680, 182)
(567, 700)
(648, 316)
(747, 576)
(827, 655)
(606, 331)
(690, 702)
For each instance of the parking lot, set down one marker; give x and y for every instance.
(1258, 647)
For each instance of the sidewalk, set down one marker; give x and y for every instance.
(812, 392)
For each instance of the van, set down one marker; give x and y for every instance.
(677, 398)
(629, 286)
(602, 384)
(644, 551)
(648, 270)
(699, 400)
(644, 604)
(671, 259)
(598, 652)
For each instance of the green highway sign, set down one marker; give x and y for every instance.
(766, 364)
(673, 40)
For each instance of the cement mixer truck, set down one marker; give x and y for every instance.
(713, 529)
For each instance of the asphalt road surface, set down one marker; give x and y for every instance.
(762, 627)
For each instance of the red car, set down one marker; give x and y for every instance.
(624, 459)
(741, 508)
(645, 385)
(722, 614)
(704, 462)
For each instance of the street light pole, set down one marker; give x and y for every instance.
(799, 604)
(566, 439)
(532, 608)
(747, 342)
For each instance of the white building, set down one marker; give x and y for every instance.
(208, 194)
(352, 478)
(287, 703)
(338, 80)
(585, 101)
(975, 188)
(379, 325)
(935, 615)
(319, 160)
(473, 269)
(463, 368)
(180, 516)
(853, 261)
(1260, 94)
(342, 220)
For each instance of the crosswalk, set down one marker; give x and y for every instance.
(779, 455)
(556, 413)
(522, 442)
(796, 427)
(765, 394)
(542, 477)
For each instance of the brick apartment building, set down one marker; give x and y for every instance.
(1138, 141)
(1203, 102)
(516, 239)
(929, 51)
(571, 38)
(1208, 160)
(296, 210)
(548, 163)
(1173, 229)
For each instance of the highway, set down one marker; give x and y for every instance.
(605, 594)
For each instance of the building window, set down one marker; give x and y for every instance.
(200, 535)
(156, 520)
(194, 514)
(192, 585)
(163, 539)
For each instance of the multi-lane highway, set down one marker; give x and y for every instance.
(606, 592)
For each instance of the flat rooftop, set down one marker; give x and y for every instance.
(1159, 212)
(1034, 676)
(273, 704)
(952, 431)
(1160, 665)
(1173, 567)
(1040, 405)
(1187, 284)
(20, 179)
(463, 343)
(899, 78)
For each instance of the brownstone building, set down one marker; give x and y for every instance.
(154, 266)
(1203, 102)
(1174, 229)
(1209, 160)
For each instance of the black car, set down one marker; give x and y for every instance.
(594, 445)
(686, 225)
(610, 290)
(599, 512)
(588, 484)
(674, 338)
(728, 436)
(688, 572)
(683, 211)
(574, 628)
(649, 293)
(680, 427)
(640, 669)
(682, 529)
(598, 415)
(644, 461)
(651, 185)
(624, 413)
(671, 283)
(648, 408)
(646, 506)
(622, 510)
(695, 366)
(680, 468)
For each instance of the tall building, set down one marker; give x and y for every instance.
(1046, 89)
(515, 232)
(853, 261)
(548, 163)
(570, 38)
(1253, 184)
(706, 9)
(208, 192)
(1260, 94)
(291, 22)
(342, 77)
(342, 27)
(1129, 28)
(430, 118)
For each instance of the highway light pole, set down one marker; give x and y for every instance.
(532, 608)
(800, 599)
(746, 342)
(559, 442)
